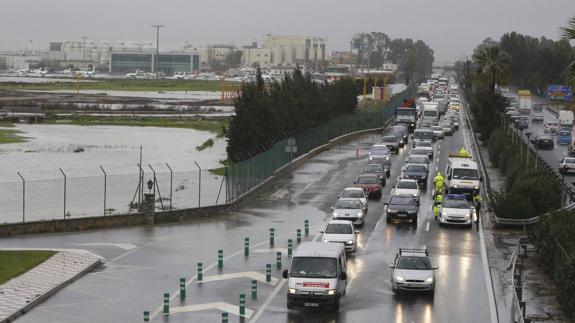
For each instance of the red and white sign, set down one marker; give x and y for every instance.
(316, 284)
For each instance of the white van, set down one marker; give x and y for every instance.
(462, 176)
(317, 275)
(430, 113)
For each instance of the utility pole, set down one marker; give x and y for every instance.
(157, 60)
(84, 57)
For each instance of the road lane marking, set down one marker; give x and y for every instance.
(125, 246)
(284, 251)
(222, 306)
(302, 190)
(427, 226)
(253, 275)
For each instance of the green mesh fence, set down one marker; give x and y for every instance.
(243, 176)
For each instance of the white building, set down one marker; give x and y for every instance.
(292, 50)
(79, 52)
(257, 57)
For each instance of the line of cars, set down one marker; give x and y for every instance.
(317, 275)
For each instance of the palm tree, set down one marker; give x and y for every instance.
(493, 66)
(568, 32)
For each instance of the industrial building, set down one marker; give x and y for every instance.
(291, 50)
(257, 57)
(168, 62)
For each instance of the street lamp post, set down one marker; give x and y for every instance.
(157, 60)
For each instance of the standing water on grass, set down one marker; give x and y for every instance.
(80, 151)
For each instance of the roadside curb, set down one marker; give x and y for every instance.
(86, 262)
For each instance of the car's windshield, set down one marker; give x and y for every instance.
(416, 168)
(389, 139)
(417, 160)
(465, 173)
(401, 200)
(367, 180)
(569, 160)
(436, 128)
(339, 228)
(373, 169)
(423, 134)
(353, 193)
(413, 263)
(379, 151)
(314, 267)
(407, 185)
(423, 144)
(405, 112)
(430, 113)
(455, 204)
(348, 204)
(419, 151)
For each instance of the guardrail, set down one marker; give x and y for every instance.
(518, 308)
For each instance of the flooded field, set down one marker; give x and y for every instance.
(79, 151)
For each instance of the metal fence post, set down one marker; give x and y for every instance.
(157, 187)
(105, 185)
(65, 180)
(171, 182)
(23, 198)
(199, 185)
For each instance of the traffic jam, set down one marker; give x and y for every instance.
(317, 275)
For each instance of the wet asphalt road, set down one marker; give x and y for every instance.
(143, 263)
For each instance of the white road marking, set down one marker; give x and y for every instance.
(253, 275)
(223, 307)
(303, 190)
(427, 226)
(125, 246)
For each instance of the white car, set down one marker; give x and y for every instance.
(355, 192)
(406, 186)
(340, 231)
(437, 132)
(412, 271)
(566, 165)
(551, 127)
(427, 146)
(350, 209)
(455, 210)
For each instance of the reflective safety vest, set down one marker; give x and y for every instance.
(438, 199)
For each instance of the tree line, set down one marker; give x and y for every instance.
(268, 113)
(413, 58)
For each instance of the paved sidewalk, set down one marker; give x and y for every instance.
(20, 294)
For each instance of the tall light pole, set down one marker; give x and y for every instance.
(157, 60)
(84, 57)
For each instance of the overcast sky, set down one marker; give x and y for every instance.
(452, 28)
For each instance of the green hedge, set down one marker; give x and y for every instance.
(529, 191)
(553, 238)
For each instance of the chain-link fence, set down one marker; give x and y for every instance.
(248, 173)
(25, 197)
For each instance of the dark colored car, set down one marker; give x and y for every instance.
(402, 207)
(543, 141)
(521, 123)
(391, 141)
(376, 169)
(371, 184)
(417, 172)
(401, 130)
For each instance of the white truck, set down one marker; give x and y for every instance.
(565, 119)
(524, 101)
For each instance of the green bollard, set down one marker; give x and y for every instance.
(200, 271)
(220, 258)
(254, 289)
(290, 247)
(166, 303)
(272, 236)
(225, 317)
(279, 260)
(269, 273)
(182, 288)
(242, 304)
(298, 236)
(306, 227)
(146, 316)
(246, 247)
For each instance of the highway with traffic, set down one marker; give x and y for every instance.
(141, 264)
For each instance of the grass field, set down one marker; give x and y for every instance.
(214, 126)
(119, 85)
(15, 263)
(9, 136)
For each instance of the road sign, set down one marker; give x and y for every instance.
(291, 146)
(559, 92)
